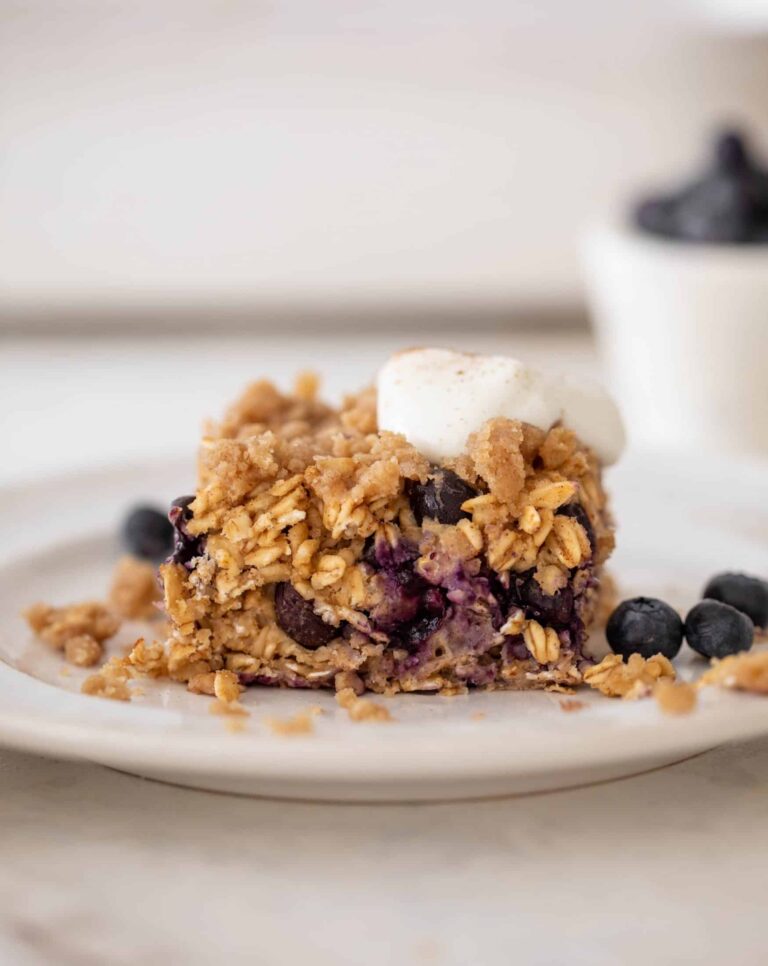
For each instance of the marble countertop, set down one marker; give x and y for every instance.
(97, 867)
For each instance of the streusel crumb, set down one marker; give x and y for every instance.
(361, 709)
(148, 659)
(747, 671)
(111, 681)
(83, 650)
(675, 697)
(299, 724)
(635, 679)
(226, 686)
(202, 683)
(570, 705)
(134, 589)
(77, 629)
(228, 708)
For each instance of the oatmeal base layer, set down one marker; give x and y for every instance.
(319, 552)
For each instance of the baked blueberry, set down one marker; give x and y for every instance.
(440, 498)
(185, 546)
(554, 610)
(645, 626)
(298, 619)
(747, 594)
(714, 629)
(147, 533)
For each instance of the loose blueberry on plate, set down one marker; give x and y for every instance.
(298, 619)
(747, 594)
(714, 629)
(147, 533)
(645, 626)
(441, 497)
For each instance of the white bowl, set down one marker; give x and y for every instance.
(683, 329)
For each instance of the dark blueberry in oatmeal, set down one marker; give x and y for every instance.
(147, 533)
(644, 626)
(747, 594)
(441, 497)
(185, 546)
(714, 629)
(577, 512)
(555, 610)
(298, 619)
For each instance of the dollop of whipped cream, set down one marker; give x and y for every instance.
(436, 398)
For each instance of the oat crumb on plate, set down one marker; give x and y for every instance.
(233, 708)
(747, 671)
(632, 680)
(148, 659)
(226, 690)
(675, 697)
(301, 723)
(79, 630)
(83, 650)
(134, 589)
(110, 681)
(361, 709)
(572, 704)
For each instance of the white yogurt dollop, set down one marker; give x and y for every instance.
(436, 398)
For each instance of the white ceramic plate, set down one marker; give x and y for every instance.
(681, 520)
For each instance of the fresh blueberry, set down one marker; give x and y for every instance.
(714, 629)
(577, 512)
(657, 216)
(715, 209)
(731, 152)
(727, 204)
(298, 619)
(185, 546)
(147, 533)
(644, 626)
(747, 594)
(441, 497)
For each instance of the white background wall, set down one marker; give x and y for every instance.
(163, 153)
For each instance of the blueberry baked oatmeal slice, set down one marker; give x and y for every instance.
(447, 530)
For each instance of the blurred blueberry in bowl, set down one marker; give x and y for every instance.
(726, 204)
(677, 284)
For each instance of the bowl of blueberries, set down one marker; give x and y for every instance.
(678, 290)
